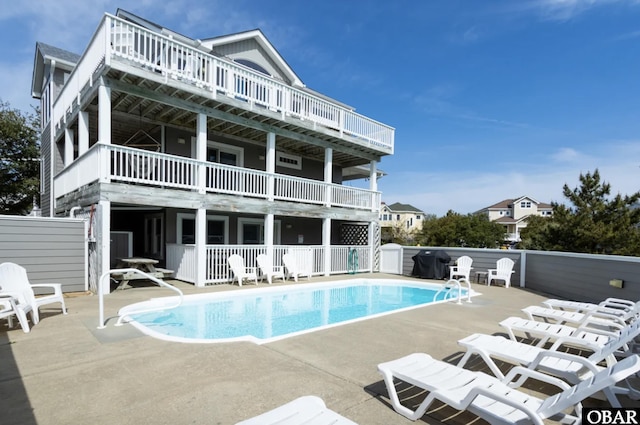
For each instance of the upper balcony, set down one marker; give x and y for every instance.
(106, 163)
(158, 77)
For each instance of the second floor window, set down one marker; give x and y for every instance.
(525, 204)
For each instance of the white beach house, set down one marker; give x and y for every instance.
(187, 151)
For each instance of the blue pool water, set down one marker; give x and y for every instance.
(269, 313)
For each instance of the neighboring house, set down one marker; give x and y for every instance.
(513, 214)
(187, 151)
(402, 217)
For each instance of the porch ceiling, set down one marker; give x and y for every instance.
(145, 102)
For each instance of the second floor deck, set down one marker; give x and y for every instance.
(106, 163)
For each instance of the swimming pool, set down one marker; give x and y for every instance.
(267, 314)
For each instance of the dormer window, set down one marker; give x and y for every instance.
(252, 65)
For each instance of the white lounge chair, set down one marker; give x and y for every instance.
(301, 411)
(554, 360)
(268, 269)
(503, 271)
(294, 267)
(15, 282)
(545, 332)
(613, 321)
(240, 271)
(498, 401)
(462, 268)
(610, 305)
(9, 308)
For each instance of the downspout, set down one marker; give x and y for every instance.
(72, 211)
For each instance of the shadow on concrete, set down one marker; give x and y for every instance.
(15, 406)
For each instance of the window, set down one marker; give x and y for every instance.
(252, 65)
(398, 217)
(221, 153)
(525, 204)
(217, 229)
(289, 161)
(251, 231)
(45, 107)
(418, 217)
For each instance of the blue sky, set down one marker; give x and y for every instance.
(490, 99)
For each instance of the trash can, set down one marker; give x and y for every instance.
(431, 264)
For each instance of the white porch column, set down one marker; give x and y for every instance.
(373, 176)
(104, 114)
(328, 173)
(326, 222)
(268, 234)
(201, 151)
(68, 146)
(103, 241)
(373, 185)
(270, 165)
(374, 246)
(201, 246)
(83, 132)
(326, 244)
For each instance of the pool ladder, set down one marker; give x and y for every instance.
(455, 284)
(146, 310)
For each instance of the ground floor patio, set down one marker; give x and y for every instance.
(66, 371)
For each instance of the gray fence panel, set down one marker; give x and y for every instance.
(582, 277)
(483, 259)
(51, 249)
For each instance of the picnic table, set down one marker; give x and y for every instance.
(147, 265)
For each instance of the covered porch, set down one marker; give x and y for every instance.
(318, 260)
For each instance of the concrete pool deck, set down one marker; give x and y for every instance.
(66, 371)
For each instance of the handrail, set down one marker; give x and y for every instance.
(455, 283)
(146, 275)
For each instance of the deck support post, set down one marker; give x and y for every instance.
(201, 213)
(83, 132)
(326, 245)
(68, 146)
(328, 174)
(201, 247)
(270, 166)
(201, 151)
(103, 239)
(104, 114)
(326, 222)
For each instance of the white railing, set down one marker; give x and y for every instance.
(181, 258)
(119, 40)
(106, 162)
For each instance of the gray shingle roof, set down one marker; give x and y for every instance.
(398, 207)
(56, 52)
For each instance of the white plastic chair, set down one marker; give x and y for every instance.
(498, 400)
(462, 268)
(10, 308)
(615, 320)
(554, 360)
(14, 282)
(546, 332)
(240, 271)
(303, 410)
(294, 269)
(610, 305)
(503, 271)
(268, 269)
